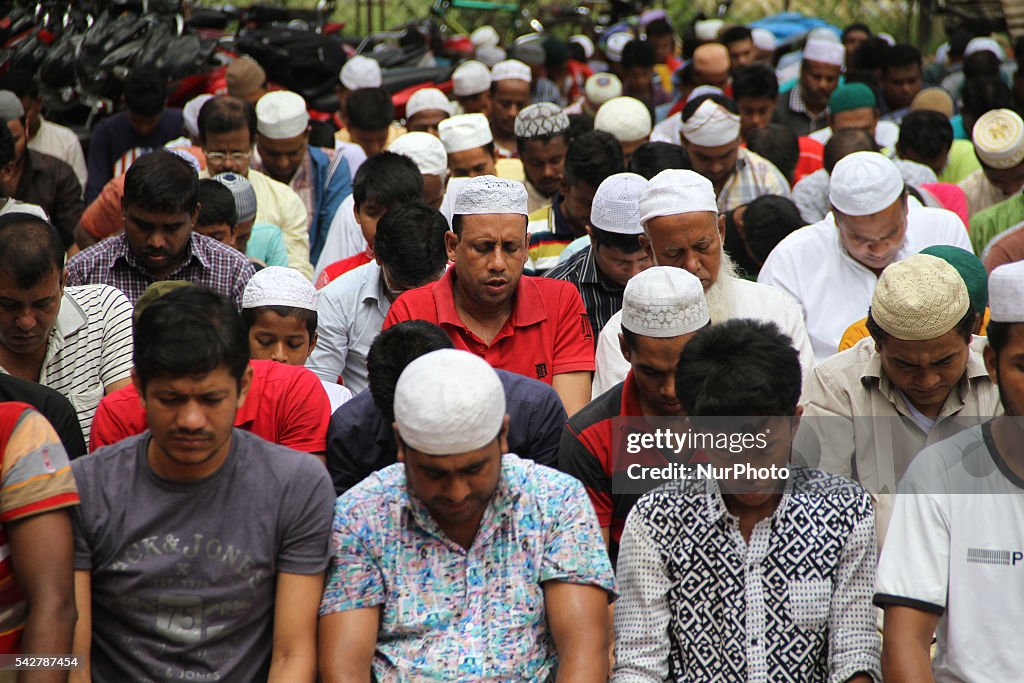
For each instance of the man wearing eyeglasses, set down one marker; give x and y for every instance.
(227, 132)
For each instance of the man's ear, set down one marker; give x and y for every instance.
(312, 344)
(645, 244)
(243, 389)
(137, 383)
(721, 227)
(195, 215)
(451, 243)
(398, 442)
(991, 363)
(503, 435)
(624, 348)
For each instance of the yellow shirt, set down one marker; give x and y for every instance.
(857, 331)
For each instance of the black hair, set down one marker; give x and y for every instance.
(900, 55)
(226, 114)
(392, 351)
(926, 134)
(578, 125)
(308, 317)
(637, 53)
(739, 367)
(845, 142)
(556, 52)
(980, 64)
(651, 158)
(964, 328)
(628, 244)
(410, 243)
(30, 248)
(21, 82)
(576, 52)
(958, 40)
(387, 179)
(659, 27)
(998, 335)
(855, 26)
(695, 103)
(869, 55)
(7, 147)
(755, 81)
(984, 94)
(216, 204)
(369, 109)
(734, 34)
(592, 157)
(777, 144)
(145, 93)
(767, 220)
(187, 332)
(162, 181)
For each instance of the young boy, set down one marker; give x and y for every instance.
(382, 183)
(261, 242)
(279, 312)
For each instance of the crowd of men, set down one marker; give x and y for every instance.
(281, 405)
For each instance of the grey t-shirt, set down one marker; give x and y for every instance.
(183, 574)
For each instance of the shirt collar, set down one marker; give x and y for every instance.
(195, 249)
(373, 290)
(527, 305)
(797, 104)
(630, 406)
(70, 319)
(874, 376)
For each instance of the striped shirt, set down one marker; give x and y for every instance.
(36, 478)
(207, 263)
(601, 296)
(550, 233)
(89, 348)
(754, 177)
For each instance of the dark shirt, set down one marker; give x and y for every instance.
(360, 441)
(114, 136)
(52, 405)
(601, 296)
(52, 185)
(791, 112)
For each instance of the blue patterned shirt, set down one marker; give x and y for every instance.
(451, 614)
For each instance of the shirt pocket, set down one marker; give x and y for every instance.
(809, 603)
(86, 402)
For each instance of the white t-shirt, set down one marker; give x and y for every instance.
(955, 547)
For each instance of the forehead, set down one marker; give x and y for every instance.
(295, 144)
(924, 350)
(469, 157)
(43, 287)
(661, 351)
(902, 72)
(137, 213)
(455, 462)
(238, 138)
(714, 152)
(821, 69)
(876, 224)
(218, 379)
(272, 320)
(684, 227)
(493, 226)
(428, 116)
(543, 149)
(512, 88)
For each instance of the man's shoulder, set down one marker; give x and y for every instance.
(963, 458)
(849, 364)
(537, 484)
(551, 290)
(754, 295)
(110, 464)
(265, 461)
(605, 407)
(99, 299)
(282, 377)
(359, 413)
(571, 269)
(50, 165)
(998, 212)
(421, 301)
(350, 282)
(376, 497)
(228, 255)
(98, 256)
(522, 388)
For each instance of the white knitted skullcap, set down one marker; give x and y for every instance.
(490, 55)
(585, 42)
(361, 72)
(920, 297)
(602, 87)
(824, 51)
(279, 286)
(426, 150)
(864, 183)
(190, 113)
(763, 39)
(465, 131)
(615, 44)
(1006, 293)
(426, 99)
(540, 119)
(711, 125)
(470, 78)
(707, 29)
(490, 194)
(626, 118)
(485, 36)
(704, 90)
(675, 191)
(449, 402)
(889, 40)
(824, 33)
(664, 301)
(511, 69)
(999, 138)
(616, 206)
(281, 114)
(982, 44)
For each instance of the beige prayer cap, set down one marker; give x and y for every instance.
(999, 138)
(711, 58)
(244, 77)
(1006, 293)
(920, 297)
(627, 118)
(933, 99)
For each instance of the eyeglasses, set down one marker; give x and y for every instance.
(220, 157)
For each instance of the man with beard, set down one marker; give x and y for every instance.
(542, 141)
(681, 229)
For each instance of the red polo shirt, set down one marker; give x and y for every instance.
(547, 334)
(286, 404)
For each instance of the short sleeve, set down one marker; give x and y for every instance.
(574, 336)
(118, 416)
(305, 540)
(305, 415)
(36, 472)
(116, 353)
(577, 460)
(544, 429)
(354, 577)
(574, 551)
(331, 352)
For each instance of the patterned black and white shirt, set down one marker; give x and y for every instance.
(698, 603)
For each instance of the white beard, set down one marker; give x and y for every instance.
(720, 295)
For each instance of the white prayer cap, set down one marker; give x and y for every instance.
(864, 183)
(485, 36)
(824, 33)
(674, 191)
(708, 29)
(602, 87)
(824, 51)
(664, 301)
(491, 55)
(542, 119)
(511, 69)
(585, 42)
(361, 72)
(920, 297)
(615, 44)
(626, 118)
(424, 149)
(704, 90)
(425, 99)
(190, 113)
(449, 402)
(982, 44)
(763, 39)
(281, 114)
(490, 194)
(465, 131)
(616, 206)
(471, 78)
(1006, 293)
(711, 125)
(279, 286)
(999, 138)
(889, 40)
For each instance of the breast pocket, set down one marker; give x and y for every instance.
(809, 603)
(86, 402)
